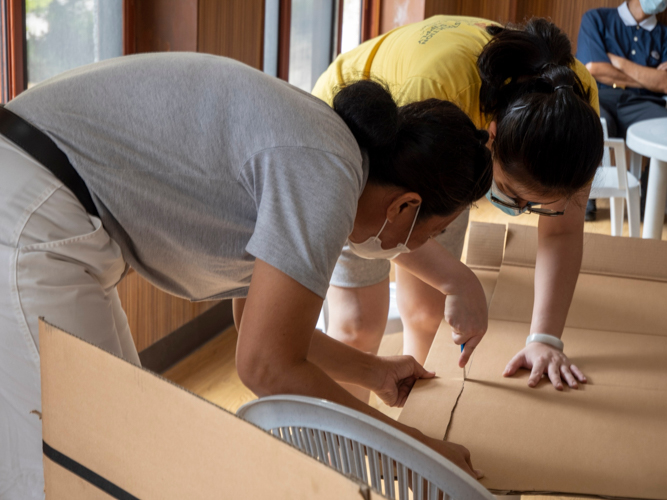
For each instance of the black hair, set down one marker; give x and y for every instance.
(549, 138)
(430, 147)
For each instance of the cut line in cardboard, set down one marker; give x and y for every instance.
(154, 440)
(607, 439)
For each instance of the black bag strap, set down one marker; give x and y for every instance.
(38, 145)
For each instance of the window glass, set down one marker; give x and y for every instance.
(311, 35)
(351, 32)
(271, 28)
(64, 34)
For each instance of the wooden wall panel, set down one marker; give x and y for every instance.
(371, 18)
(396, 13)
(499, 10)
(152, 313)
(435, 7)
(503, 11)
(232, 28)
(566, 15)
(162, 25)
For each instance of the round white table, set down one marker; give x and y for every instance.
(649, 138)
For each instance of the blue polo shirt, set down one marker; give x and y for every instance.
(617, 32)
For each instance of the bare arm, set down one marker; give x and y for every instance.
(465, 308)
(650, 78)
(277, 354)
(559, 253)
(606, 73)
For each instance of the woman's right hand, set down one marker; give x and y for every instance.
(467, 313)
(455, 453)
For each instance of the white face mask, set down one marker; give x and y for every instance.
(372, 247)
(652, 7)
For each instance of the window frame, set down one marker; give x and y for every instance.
(370, 28)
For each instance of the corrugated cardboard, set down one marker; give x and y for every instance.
(609, 438)
(154, 440)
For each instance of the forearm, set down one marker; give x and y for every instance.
(307, 379)
(607, 74)
(449, 276)
(650, 78)
(340, 361)
(556, 272)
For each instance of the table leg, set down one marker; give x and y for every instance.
(656, 195)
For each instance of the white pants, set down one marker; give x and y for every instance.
(58, 262)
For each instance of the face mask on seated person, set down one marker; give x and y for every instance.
(372, 247)
(652, 7)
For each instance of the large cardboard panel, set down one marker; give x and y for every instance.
(609, 438)
(606, 303)
(606, 255)
(157, 441)
(431, 403)
(64, 485)
(622, 286)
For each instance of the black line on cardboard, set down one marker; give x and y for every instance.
(86, 474)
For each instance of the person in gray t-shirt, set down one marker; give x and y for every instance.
(218, 181)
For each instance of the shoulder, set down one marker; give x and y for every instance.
(662, 29)
(588, 82)
(599, 17)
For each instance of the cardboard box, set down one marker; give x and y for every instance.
(113, 430)
(609, 438)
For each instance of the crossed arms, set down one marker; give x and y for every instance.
(626, 73)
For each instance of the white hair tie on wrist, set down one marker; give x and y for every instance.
(545, 338)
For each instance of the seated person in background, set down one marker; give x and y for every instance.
(625, 49)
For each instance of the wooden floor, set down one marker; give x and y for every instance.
(211, 371)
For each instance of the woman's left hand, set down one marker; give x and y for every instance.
(543, 358)
(396, 376)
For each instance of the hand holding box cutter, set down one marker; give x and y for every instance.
(464, 368)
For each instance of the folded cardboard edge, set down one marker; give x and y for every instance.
(603, 254)
(53, 336)
(491, 245)
(486, 245)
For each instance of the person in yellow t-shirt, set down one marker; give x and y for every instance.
(540, 106)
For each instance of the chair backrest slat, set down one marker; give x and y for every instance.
(362, 447)
(374, 459)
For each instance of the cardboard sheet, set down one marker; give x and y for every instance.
(155, 440)
(608, 438)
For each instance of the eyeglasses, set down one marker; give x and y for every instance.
(528, 209)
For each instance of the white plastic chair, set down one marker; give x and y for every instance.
(361, 446)
(617, 184)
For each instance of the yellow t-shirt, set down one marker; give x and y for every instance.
(434, 58)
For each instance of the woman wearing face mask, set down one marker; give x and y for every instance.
(540, 107)
(212, 180)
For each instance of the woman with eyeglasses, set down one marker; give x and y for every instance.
(212, 180)
(540, 107)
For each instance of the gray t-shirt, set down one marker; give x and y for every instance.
(199, 164)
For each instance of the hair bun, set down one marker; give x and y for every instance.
(369, 111)
(482, 136)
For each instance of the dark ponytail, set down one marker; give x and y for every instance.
(429, 147)
(549, 137)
